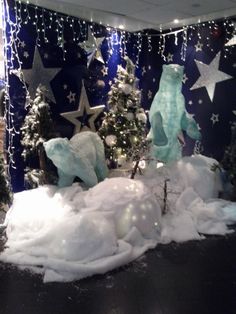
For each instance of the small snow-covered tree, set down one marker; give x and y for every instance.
(123, 129)
(5, 193)
(37, 128)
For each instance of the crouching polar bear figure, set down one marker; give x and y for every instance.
(82, 156)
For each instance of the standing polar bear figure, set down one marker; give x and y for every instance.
(168, 116)
(82, 156)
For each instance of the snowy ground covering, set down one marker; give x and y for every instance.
(70, 233)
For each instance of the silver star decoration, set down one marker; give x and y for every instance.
(38, 74)
(214, 118)
(231, 42)
(26, 54)
(149, 94)
(154, 80)
(210, 75)
(198, 46)
(71, 97)
(84, 107)
(65, 86)
(185, 78)
(149, 67)
(92, 46)
(143, 71)
(22, 44)
(200, 101)
(170, 57)
(104, 71)
(190, 102)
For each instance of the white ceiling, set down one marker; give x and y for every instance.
(142, 14)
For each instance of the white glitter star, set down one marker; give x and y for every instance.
(149, 67)
(200, 101)
(143, 71)
(210, 75)
(214, 118)
(190, 102)
(149, 94)
(26, 54)
(154, 80)
(185, 78)
(104, 71)
(170, 57)
(38, 74)
(83, 109)
(65, 86)
(71, 97)
(198, 46)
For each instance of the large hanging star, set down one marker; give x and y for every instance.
(92, 46)
(210, 75)
(38, 74)
(83, 118)
(231, 42)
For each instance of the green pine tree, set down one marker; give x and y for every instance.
(37, 128)
(5, 193)
(123, 129)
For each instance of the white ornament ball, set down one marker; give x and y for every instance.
(126, 88)
(111, 140)
(129, 116)
(141, 116)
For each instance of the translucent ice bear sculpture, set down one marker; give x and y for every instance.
(168, 116)
(82, 156)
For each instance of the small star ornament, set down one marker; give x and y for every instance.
(210, 75)
(149, 94)
(198, 46)
(38, 74)
(169, 57)
(185, 78)
(92, 46)
(84, 111)
(214, 118)
(71, 97)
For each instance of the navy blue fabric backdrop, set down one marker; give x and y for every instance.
(213, 108)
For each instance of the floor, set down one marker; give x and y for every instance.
(194, 277)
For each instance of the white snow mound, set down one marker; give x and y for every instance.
(68, 234)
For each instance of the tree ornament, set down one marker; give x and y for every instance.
(111, 140)
(129, 116)
(141, 116)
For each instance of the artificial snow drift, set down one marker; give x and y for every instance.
(68, 234)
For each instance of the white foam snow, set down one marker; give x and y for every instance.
(68, 234)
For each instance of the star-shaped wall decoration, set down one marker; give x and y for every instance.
(143, 71)
(190, 102)
(84, 118)
(38, 74)
(169, 57)
(210, 75)
(26, 54)
(22, 44)
(185, 78)
(149, 94)
(234, 112)
(92, 46)
(65, 86)
(231, 42)
(154, 80)
(104, 71)
(71, 97)
(198, 46)
(214, 118)
(149, 67)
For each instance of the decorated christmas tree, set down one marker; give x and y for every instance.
(123, 129)
(5, 194)
(37, 128)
